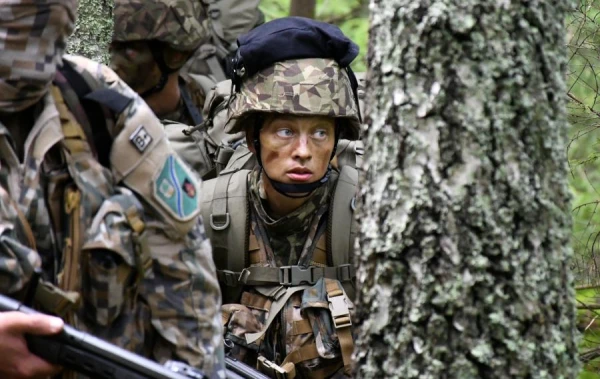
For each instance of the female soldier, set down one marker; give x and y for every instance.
(281, 233)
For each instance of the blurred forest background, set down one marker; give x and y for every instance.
(583, 152)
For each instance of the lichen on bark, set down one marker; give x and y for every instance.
(465, 222)
(93, 30)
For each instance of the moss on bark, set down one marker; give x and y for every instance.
(465, 219)
(93, 30)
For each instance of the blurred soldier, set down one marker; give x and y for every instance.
(224, 21)
(282, 232)
(98, 215)
(152, 40)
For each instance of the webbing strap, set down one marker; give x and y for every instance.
(341, 216)
(53, 299)
(75, 139)
(301, 327)
(276, 307)
(94, 118)
(302, 354)
(219, 217)
(215, 68)
(286, 275)
(340, 315)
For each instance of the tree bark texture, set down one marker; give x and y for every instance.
(303, 8)
(465, 216)
(93, 30)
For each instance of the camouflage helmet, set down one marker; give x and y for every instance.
(175, 22)
(305, 87)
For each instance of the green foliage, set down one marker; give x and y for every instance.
(350, 15)
(93, 30)
(583, 25)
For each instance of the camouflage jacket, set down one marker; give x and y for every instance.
(128, 271)
(293, 327)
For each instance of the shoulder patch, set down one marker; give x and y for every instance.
(140, 138)
(176, 189)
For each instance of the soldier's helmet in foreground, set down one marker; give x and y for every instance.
(295, 66)
(174, 22)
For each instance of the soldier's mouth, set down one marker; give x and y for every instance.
(300, 174)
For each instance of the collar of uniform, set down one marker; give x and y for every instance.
(46, 131)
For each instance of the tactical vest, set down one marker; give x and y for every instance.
(100, 226)
(240, 265)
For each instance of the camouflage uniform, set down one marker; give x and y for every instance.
(116, 260)
(299, 325)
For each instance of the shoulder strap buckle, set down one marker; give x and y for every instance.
(339, 311)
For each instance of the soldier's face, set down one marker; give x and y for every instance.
(297, 149)
(134, 63)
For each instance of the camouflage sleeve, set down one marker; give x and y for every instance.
(184, 298)
(17, 261)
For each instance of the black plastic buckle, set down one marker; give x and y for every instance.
(229, 278)
(296, 275)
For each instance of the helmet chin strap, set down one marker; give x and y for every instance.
(293, 190)
(297, 190)
(165, 71)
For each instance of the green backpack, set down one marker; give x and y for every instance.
(225, 21)
(226, 214)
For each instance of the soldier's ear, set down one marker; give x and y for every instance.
(250, 139)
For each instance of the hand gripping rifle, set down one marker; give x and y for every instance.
(91, 356)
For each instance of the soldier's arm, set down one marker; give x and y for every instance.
(17, 259)
(181, 289)
(185, 299)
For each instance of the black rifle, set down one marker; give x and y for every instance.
(240, 368)
(91, 356)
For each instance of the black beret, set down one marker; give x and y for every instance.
(291, 38)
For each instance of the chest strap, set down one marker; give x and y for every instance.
(285, 275)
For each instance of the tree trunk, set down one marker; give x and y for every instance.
(93, 30)
(303, 8)
(465, 216)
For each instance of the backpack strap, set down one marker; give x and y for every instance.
(211, 55)
(341, 232)
(225, 211)
(94, 118)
